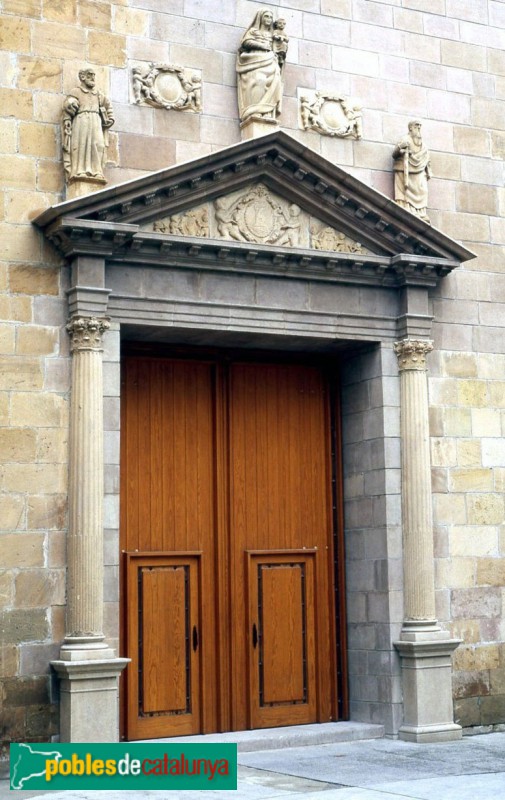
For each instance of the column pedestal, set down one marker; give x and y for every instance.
(80, 187)
(253, 127)
(89, 710)
(427, 689)
(87, 666)
(424, 648)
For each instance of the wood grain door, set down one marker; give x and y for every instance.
(280, 502)
(168, 537)
(227, 534)
(282, 651)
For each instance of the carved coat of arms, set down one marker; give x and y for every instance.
(257, 217)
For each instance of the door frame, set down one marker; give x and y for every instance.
(330, 368)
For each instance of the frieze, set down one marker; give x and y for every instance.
(258, 216)
(194, 222)
(332, 240)
(167, 86)
(330, 114)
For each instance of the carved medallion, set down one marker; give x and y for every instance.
(167, 86)
(330, 239)
(257, 216)
(331, 115)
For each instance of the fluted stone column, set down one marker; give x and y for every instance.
(425, 649)
(87, 666)
(84, 623)
(417, 520)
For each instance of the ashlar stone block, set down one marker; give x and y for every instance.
(15, 34)
(12, 513)
(17, 372)
(130, 21)
(95, 14)
(26, 279)
(54, 40)
(40, 588)
(491, 571)
(8, 661)
(472, 540)
(486, 509)
(107, 48)
(471, 480)
(475, 603)
(467, 630)
(24, 625)
(47, 512)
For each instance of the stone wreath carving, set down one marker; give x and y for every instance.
(167, 86)
(257, 217)
(331, 115)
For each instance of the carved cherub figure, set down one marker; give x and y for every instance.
(280, 41)
(353, 112)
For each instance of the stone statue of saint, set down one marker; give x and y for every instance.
(260, 59)
(412, 172)
(87, 116)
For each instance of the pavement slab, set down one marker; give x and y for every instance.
(374, 769)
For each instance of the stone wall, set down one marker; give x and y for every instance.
(445, 66)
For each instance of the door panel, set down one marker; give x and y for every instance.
(282, 629)
(226, 517)
(168, 484)
(280, 499)
(163, 629)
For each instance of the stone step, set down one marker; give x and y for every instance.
(292, 736)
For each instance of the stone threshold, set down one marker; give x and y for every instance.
(292, 736)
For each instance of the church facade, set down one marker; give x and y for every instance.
(252, 397)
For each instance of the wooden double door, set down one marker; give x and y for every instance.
(227, 539)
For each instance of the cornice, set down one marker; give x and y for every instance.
(119, 242)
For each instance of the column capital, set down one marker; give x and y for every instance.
(86, 332)
(411, 353)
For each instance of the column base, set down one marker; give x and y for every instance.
(427, 688)
(89, 704)
(430, 733)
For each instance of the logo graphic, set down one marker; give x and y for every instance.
(123, 766)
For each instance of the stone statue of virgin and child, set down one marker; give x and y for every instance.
(260, 63)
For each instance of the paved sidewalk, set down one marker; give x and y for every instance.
(375, 769)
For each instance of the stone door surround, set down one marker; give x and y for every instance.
(130, 270)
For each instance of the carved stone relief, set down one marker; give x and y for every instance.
(330, 239)
(194, 222)
(330, 115)
(260, 66)
(86, 119)
(259, 216)
(412, 170)
(167, 86)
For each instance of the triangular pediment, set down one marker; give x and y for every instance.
(272, 193)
